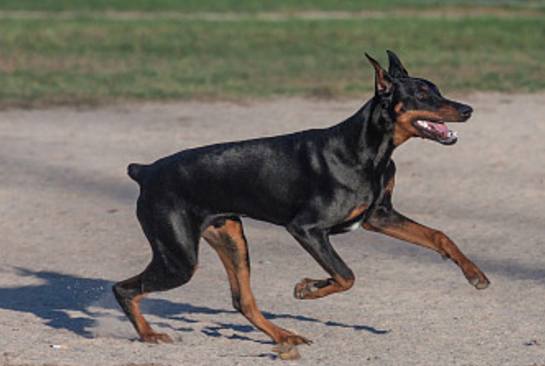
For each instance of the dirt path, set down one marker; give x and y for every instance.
(68, 232)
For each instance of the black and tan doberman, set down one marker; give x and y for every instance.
(315, 183)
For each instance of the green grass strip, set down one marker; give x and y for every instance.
(252, 6)
(83, 60)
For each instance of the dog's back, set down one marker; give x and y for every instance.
(267, 178)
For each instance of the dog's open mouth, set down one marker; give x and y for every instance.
(437, 131)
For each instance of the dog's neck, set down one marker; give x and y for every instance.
(370, 133)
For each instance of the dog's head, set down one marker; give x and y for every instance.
(415, 105)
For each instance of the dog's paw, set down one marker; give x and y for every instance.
(156, 338)
(291, 338)
(287, 352)
(308, 288)
(479, 281)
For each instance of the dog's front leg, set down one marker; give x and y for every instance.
(388, 221)
(316, 243)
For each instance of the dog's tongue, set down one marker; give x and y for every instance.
(440, 129)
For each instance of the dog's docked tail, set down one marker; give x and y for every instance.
(136, 172)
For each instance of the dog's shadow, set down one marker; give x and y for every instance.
(74, 303)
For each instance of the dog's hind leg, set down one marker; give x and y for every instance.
(174, 241)
(228, 239)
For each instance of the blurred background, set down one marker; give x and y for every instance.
(91, 52)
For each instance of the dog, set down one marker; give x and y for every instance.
(314, 183)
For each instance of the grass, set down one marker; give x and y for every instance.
(251, 6)
(93, 59)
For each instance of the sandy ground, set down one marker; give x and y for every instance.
(68, 232)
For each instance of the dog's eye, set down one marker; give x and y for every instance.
(422, 95)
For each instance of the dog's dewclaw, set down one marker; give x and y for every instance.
(287, 352)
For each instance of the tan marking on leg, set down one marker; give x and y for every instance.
(230, 244)
(307, 289)
(146, 333)
(418, 234)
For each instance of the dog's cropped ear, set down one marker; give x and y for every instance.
(383, 81)
(396, 68)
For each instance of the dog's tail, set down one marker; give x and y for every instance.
(137, 172)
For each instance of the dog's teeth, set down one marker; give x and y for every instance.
(423, 124)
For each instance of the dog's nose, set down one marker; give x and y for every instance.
(465, 111)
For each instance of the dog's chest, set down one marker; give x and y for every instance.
(365, 203)
(356, 216)
(352, 220)
(354, 226)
